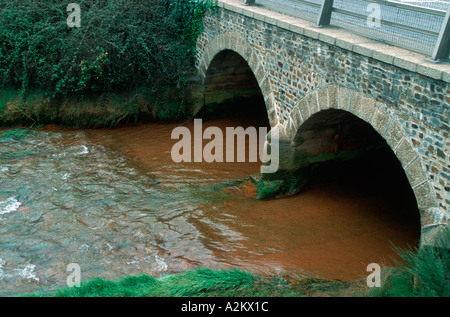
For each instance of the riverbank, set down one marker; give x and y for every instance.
(425, 274)
(93, 110)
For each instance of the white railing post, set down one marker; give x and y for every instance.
(442, 49)
(325, 13)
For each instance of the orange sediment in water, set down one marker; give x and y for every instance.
(331, 230)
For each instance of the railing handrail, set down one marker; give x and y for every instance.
(389, 23)
(312, 4)
(441, 50)
(394, 4)
(410, 7)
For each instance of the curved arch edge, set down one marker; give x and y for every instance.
(232, 41)
(371, 111)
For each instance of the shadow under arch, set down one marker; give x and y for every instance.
(230, 86)
(377, 117)
(336, 145)
(229, 68)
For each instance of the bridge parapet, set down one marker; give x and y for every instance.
(424, 27)
(344, 39)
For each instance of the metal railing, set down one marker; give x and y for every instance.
(424, 29)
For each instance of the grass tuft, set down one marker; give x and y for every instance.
(15, 134)
(424, 273)
(196, 283)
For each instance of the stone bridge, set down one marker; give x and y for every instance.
(312, 78)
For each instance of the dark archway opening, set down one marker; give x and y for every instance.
(343, 156)
(338, 146)
(231, 90)
(233, 99)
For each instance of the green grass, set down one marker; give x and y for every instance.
(425, 272)
(195, 283)
(15, 134)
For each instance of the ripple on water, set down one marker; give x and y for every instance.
(74, 201)
(116, 206)
(9, 205)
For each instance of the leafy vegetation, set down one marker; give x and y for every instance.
(121, 46)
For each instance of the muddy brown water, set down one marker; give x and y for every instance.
(114, 202)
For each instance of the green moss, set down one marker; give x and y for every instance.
(280, 183)
(269, 189)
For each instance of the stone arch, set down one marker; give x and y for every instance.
(373, 112)
(233, 42)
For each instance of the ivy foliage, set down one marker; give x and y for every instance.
(120, 44)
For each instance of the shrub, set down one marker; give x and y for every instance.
(120, 44)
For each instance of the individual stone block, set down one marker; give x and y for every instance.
(380, 121)
(312, 102)
(405, 153)
(394, 134)
(355, 103)
(296, 118)
(333, 97)
(322, 98)
(344, 98)
(271, 112)
(368, 107)
(303, 107)
(265, 86)
(415, 173)
(260, 74)
(253, 62)
(424, 196)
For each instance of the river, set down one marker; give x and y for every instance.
(114, 202)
